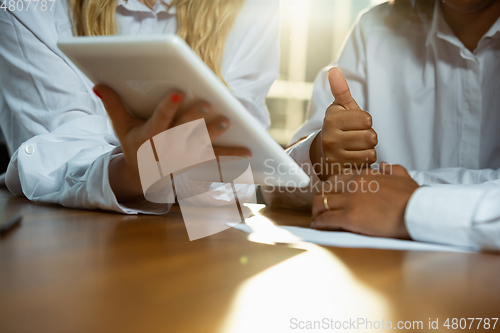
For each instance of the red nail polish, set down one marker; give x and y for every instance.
(97, 94)
(176, 98)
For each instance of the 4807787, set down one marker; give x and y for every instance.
(25, 5)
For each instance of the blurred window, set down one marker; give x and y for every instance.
(312, 33)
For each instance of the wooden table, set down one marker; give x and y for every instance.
(68, 270)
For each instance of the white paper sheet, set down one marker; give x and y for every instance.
(261, 228)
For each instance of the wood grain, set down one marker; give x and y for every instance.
(68, 270)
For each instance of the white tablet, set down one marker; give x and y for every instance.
(143, 69)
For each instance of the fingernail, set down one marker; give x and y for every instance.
(203, 110)
(96, 93)
(176, 98)
(222, 126)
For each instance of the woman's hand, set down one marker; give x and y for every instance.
(133, 132)
(347, 139)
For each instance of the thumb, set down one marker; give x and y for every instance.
(340, 89)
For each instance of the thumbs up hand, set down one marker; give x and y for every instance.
(347, 139)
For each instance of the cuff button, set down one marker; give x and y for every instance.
(29, 149)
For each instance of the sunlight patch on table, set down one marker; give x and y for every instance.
(310, 286)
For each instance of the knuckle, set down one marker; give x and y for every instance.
(364, 119)
(369, 119)
(368, 138)
(361, 118)
(371, 156)
(373, 137)
(367, 122)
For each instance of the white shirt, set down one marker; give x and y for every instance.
(58, 130)
(436, 109)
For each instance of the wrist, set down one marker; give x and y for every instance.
(124, 180)
(316, 156)
(404, 227)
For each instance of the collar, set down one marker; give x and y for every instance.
(433, 28)
(137, 6)
(439, 28)
(494, 30)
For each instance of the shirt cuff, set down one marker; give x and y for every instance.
(442, 214)
(300, 152)
(106, 198)
(300, 198)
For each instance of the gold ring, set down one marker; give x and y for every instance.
(325, 201)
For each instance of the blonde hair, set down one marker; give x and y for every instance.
(203, 24)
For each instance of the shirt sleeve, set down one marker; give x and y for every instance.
(58, 130)
(455, 176)
(457, 215)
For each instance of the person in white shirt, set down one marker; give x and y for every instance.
(64, 148)
(427, 74)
